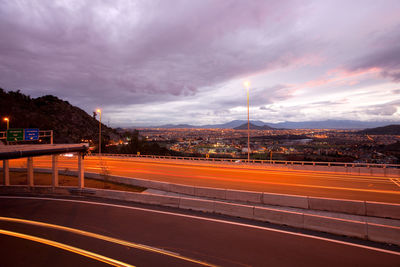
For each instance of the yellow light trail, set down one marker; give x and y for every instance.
(68, 248)
(105, 238)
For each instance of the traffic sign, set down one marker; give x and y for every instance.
(15, 135)
(31, 134)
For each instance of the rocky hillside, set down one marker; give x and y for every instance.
(253, 127)
(393, 129)
(70, 124)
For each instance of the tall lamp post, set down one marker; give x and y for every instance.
(8, 122)
(247, 85)
(99, 111)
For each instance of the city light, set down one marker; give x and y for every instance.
(8, 122)
(247, 84)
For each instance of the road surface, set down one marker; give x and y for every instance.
(310, 183)
(143, 235)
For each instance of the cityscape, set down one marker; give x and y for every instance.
(199, 133)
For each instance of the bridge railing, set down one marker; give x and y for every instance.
(263, 162)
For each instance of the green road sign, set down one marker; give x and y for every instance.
(15, 135)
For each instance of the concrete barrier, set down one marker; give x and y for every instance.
(285, 200)
(337, 205)
(244, 196)
(182, 189)
(384, 233)
(335, 226)
(294, 219)
(385, 210)
(197, 204)
(161, 200)
(210, 192)
(237, 210)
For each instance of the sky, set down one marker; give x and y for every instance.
(155, 62)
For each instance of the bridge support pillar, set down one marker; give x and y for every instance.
(29, 168)
(6, 172)
(54, 173)
(81, 171)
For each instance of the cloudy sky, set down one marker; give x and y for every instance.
(152, 62)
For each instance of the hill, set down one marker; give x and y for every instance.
(393, 129)
(325, 124)
(253, 127)
(69, 123)
(329, 124)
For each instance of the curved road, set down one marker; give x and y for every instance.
(153, 236)
(252, 178)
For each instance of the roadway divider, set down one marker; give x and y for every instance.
(359, 229)
(285, 200)
(243, 196)
(294, 219)
(355, 207)
(236, 210)
(197, 204)
(383, 233)
(337, 205)
(335, 226)
(182, 189)
(210, 192)
(385, 210)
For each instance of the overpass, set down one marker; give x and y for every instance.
(259, 177)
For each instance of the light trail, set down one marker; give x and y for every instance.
(264, 228)
(72, 249)
(281, 181)
(105, 238)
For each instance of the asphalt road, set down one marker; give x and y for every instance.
(153, 236)
(356, 187)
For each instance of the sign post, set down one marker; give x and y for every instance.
(31, 134)
(15, 135)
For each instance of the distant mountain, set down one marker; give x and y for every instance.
(326, 124)
(233, 124)
(329, 124)
(69, 123)
(253, 127)
(176, 126)
(393, 129)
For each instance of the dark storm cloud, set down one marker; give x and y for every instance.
(386, 109)
(118, 53)
(180, 58)
(259, 96)
(384, 53)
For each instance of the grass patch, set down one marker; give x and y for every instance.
(20, 178)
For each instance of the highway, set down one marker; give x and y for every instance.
(310, 183)
(143, 235)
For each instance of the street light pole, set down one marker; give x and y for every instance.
(8, 122)
(99, 111)
(247, 85)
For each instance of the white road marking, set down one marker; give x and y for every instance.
(105, 238)
(395, 181)
(211, 220)
(76, 250)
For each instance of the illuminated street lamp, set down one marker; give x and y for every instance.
(8, 122)
(247, 85)
(99, 111)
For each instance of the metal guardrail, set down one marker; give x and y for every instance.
(264, 162)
